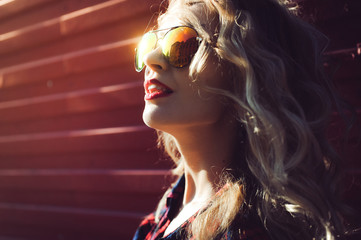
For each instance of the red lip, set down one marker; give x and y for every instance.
(155, 89)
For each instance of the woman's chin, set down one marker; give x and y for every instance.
(155, 116)
(153, 120)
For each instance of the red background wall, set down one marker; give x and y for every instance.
(76, 161)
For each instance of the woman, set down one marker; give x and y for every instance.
(235, 91)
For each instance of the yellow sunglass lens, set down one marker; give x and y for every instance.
(145, 46)
(178, 46)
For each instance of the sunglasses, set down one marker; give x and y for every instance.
(178, 45)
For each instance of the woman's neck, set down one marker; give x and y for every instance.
(206, 152)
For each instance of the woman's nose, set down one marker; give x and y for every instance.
(155, 60)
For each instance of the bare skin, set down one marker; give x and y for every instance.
(203, 163)
(205, 132)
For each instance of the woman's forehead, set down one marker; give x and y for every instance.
(179, 13)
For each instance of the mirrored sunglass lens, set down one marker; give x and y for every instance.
(144, 47)
(179, 45)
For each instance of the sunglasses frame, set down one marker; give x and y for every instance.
(199, 39)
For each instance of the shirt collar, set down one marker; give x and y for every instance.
(175, 197)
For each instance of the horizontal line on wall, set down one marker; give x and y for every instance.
(108, 172)
(60, 96)
(59, 20)
(64, 57)
(71, 134)
(70, 210)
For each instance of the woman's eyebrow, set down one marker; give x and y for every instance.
(191, 3)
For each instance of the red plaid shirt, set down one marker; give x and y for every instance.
(150, 230)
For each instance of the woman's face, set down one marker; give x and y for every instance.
(178, 104)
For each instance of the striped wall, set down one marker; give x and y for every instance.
(339, 20)
(76, 161)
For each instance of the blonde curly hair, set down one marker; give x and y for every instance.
(285, 172)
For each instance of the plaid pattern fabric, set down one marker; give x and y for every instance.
(150, 230)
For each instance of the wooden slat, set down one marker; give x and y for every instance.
(352, 186)
(76, 62)
(76, 161)
(133, 138)
(350, 154)
(149, 158)
(87, 190)
(14, 231)
(35, 11)
(80, 199)
(12, 7)
(351, 196)
(93, 79)
(345, 127)
(87, 100)
(105, 119)
(69, 222)
(347, 71)
(92, 38)
(91, 17)
(339, 121)
(346, 140)
(350, 89)
(348, 33)
(120, 181)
